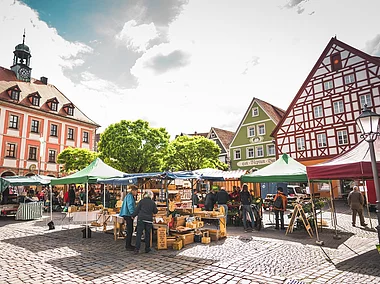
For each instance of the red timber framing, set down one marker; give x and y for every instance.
(320, 121)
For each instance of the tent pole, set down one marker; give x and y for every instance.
(366, 198)
(318, 242)
(104, 196)
(336, 236)
(86, 210)
(51, 202)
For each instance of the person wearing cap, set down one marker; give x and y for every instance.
(279, 207)
(126, 211)
(145, 210)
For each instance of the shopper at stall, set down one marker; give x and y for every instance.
(235, 194)
(126, 211)
(356, 201)
(210, 200)
(246, 200)
(144, 212)
(222, 198)
(195, 198)
(279, 206)
(72, 195)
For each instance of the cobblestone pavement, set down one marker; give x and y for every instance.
(30, 253)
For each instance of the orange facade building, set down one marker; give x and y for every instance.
(37, 121)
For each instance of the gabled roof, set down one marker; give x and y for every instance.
(47, 92)
(224, 136)
(372, 59)
(275, 113)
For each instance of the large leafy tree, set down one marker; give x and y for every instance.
(192, 153)
(133, 146)
(74, 159)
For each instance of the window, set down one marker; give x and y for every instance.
(15, 95)
(328, 85)
(85, 137)
(336, 62)
(271, 150)
(365, 100)
(13, 121)
(237, 154)
(261, 129)
(250, 153)
(342, 137)
(70, 111)
(11, 150)
(318, 112)
(322, 141)
(35, 101)
(33, 153)
(54, 130)
(35, 126)
(251, 131)
(300, 143)
(54, 106)
(259, 151)
(348, 79)
(70, 133)
(255, 111)
(52, 156)
(338, 107)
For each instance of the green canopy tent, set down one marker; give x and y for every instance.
(285, 169)
(94, 171)
(3, 184)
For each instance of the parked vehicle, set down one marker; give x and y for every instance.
(10, 206)
(296, 194)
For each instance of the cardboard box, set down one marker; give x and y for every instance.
(191, 225)
(206, 240)
(178, 244)
(170, 241)
(215, 236)
(179, 221)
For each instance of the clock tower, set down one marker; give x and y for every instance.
(21, 61)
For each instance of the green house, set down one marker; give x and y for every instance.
(252, 146)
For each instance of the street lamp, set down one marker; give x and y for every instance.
(368, 122)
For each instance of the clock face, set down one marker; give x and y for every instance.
(24, 73)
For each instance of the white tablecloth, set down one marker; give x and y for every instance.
(81, 216)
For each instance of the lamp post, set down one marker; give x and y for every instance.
(368, 122)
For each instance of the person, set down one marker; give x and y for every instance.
(356, 201)
(279, 207)
(222, 198)
(105, 198)
(144, 212)
(195, 198)
(126, 211)
(210, 200)
(72, 195)
(66, 200)
(235, 196)
(246, 200)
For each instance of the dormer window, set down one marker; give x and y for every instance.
(53, 104)
(35, 99)
(14, 93)
(69, 109)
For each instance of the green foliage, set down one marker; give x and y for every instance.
(74, 159)
(133, 146)
(192, 153)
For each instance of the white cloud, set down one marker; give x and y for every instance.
(137, 37)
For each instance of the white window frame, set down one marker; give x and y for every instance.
(338, 107)
(342, 136)
(322, 140)
(258, 129)
(86, 137)
(365, 100)
(348, 79)
(274, 150)
(328, 85)
(255, 111)
(235, 152)
(257, 151)
(248, 131)
(253, 153)
(301, 143)
(318, 111)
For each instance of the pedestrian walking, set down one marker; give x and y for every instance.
(144, 212)
(126, 211)
(279, 206)
(356, 201)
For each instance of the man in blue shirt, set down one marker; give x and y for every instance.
(126, 211)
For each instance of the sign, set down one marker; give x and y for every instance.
(256, 162)
(324, 187)
(161, 238)
(256, 139)
(32, 167)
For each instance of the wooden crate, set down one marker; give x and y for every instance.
(177, 245)
(206, 240)
(161, 238)
(187, 238)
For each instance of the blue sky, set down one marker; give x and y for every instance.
(183, 65)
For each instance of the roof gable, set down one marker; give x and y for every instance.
(224, 136)
(323, 66)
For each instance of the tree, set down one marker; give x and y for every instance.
(133, 146)
(192, 153)
(74, 159)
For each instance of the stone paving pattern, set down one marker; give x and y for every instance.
(30, 253)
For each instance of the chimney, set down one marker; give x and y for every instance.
(44, 80)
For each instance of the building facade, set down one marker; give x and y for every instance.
(320, 122)
(252, 147)
(37, 121)
(223, 139)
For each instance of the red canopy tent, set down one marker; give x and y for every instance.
(352, 164)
